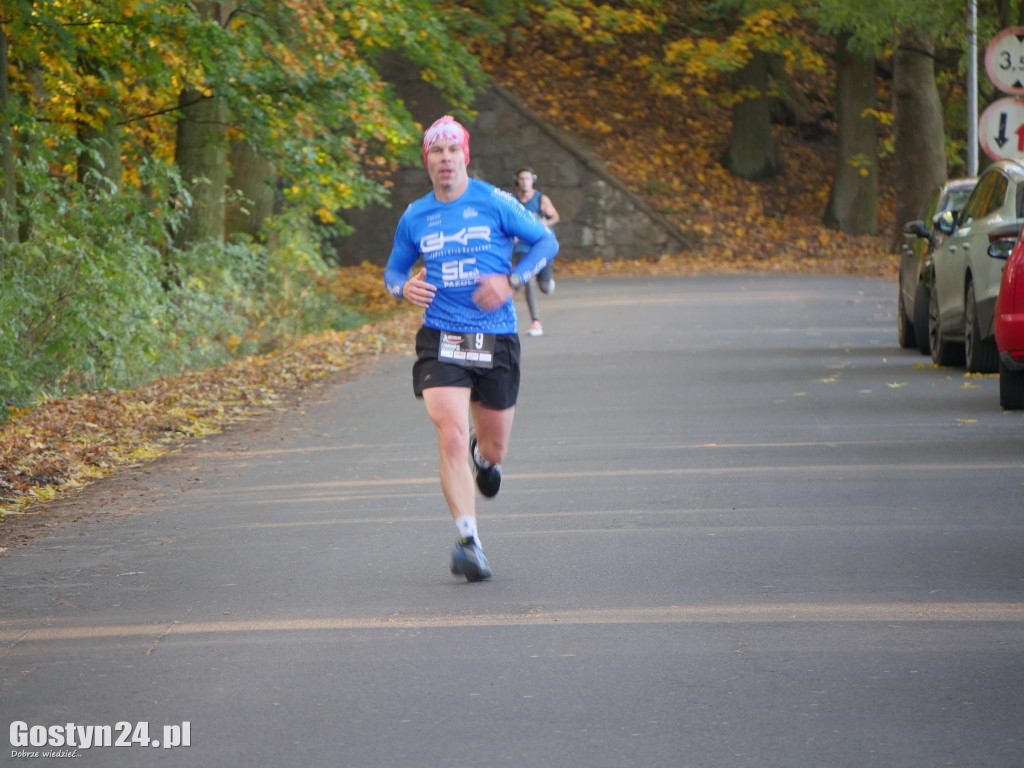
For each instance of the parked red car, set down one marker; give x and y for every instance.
(1009, 325)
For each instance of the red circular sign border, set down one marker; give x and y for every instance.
(990, 52)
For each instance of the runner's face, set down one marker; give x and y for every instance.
(446, 164)
(525, 179)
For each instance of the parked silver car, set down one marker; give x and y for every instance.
(920, 239)
(965, 280)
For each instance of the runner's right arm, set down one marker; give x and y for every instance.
(397, 278)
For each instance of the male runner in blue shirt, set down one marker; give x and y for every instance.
(468, 348)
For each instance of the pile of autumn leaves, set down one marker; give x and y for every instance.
(64, 443)
(666, 149)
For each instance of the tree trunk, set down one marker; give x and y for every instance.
(751, 151)
(853, 201)
(805, 115)
(252, 177)
(918, 130)
(25, 142)
(1007, 10)
(8, 185)
(201, 155)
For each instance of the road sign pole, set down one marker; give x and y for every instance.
(972, 90)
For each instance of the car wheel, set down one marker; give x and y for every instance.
(921, 318)
(904, 326)
(980, 355)
(943, 352)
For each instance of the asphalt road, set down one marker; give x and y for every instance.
(739, 526)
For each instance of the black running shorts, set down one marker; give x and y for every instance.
(496, 387)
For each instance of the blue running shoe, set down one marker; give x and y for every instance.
(468, 560)
(487, 480)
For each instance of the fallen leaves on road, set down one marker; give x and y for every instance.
(862, 263)
(63, 444)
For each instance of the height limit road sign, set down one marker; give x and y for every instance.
(1001, 129)
(1004, 60)
(1001, 126)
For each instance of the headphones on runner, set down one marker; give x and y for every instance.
(515, 178)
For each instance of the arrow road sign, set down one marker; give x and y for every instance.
(1001, 129)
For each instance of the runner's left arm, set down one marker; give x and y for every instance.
(494, 290)
(542, 252)
(543, 245)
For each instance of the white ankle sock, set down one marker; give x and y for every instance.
(466, 525)
(480, 460)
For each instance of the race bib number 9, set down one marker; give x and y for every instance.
(473, 350)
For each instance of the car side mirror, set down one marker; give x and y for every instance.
(916, 229)
(1001, 249)
(946, 222)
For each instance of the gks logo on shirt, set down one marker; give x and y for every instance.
(436, 241)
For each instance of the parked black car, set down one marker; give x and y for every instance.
(921, 237)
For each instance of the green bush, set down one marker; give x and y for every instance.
(80, 295)
(97, 297)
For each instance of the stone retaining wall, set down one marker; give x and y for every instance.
(600, 217)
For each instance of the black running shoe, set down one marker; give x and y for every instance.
(487, 480)
(468, 560)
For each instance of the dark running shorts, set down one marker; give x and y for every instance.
(496, 388)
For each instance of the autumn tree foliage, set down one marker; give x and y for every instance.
(749, 54)
(170, 171)
(297, 80)
(756, 58)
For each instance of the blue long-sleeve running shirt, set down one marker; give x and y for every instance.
(459, 241)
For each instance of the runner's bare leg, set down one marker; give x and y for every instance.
(493, 430)
(448, 408)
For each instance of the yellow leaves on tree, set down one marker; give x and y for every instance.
(768, 30)
(665, 143)
(602, 23)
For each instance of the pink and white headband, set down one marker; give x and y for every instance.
(447, 128)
